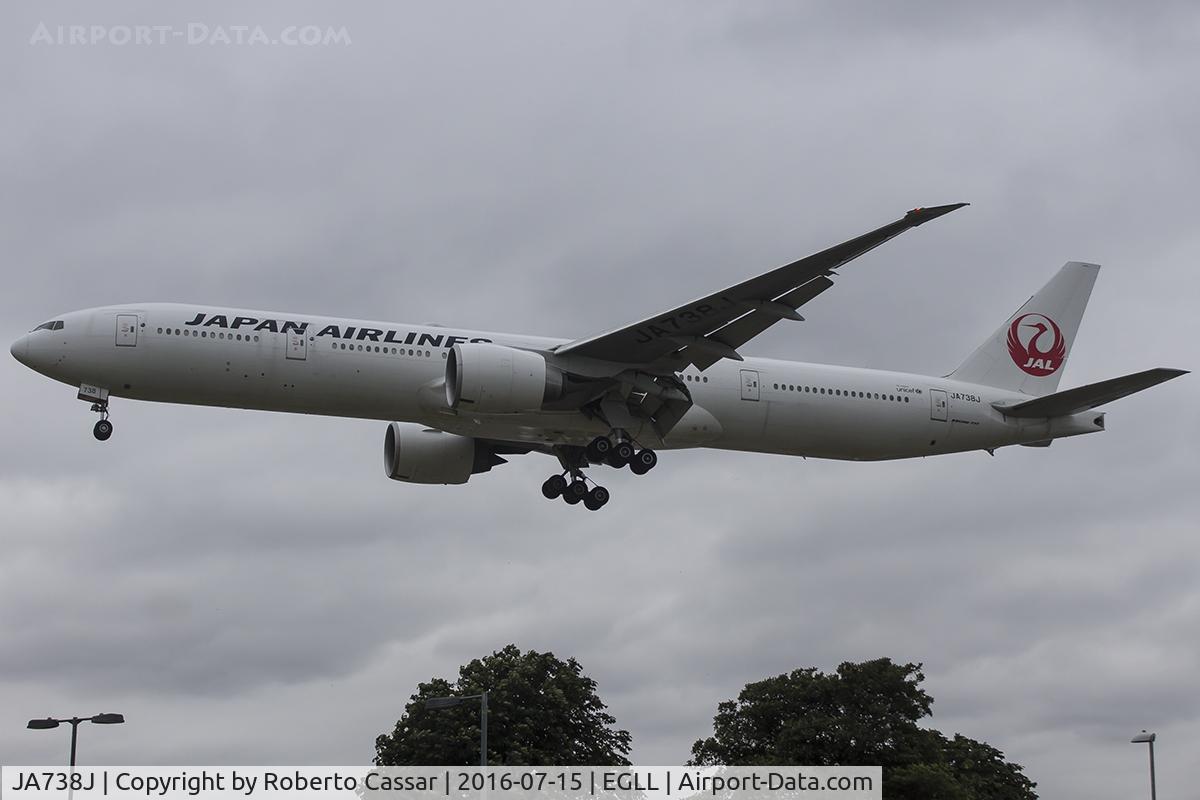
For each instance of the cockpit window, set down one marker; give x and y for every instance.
(56, 325)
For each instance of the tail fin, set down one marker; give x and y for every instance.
(1029, 351)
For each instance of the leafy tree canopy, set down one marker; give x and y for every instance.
(541, 710)
(865, 713)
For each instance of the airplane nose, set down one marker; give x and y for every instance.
(20, 350)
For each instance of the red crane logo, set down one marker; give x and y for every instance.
(1025, 337)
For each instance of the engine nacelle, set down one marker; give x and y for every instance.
(494, 379)
(415, 454)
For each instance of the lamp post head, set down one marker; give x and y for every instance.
(1142, 738)
(42, 724)
(108, 719)
(443, 702)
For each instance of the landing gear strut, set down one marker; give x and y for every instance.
(103, 429)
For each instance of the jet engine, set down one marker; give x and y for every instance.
(494, 379)
(415, 454)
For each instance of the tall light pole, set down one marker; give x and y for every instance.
(450, 702)
(1148, 738)
(51, 722)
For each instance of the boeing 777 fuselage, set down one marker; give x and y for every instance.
(460, 400)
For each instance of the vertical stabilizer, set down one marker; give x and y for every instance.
(1029, 352)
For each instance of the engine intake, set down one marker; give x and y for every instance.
(415, 454)
(494, 379)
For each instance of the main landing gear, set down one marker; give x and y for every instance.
(575, 491)
(620, 453)
(102, 429)
(573, 486)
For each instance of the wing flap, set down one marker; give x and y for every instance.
(1093, 395)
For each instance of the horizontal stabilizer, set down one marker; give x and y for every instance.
(1084, 398)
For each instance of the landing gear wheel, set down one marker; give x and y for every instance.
(576, 490)
(102, 430)
(643, 462)
(554, 486)
(620, 455)
(596, 499)
(599, 448)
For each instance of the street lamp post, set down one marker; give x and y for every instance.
(1148, 738)
(51, 722)
(434, 703)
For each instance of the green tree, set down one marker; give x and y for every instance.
(541, 710)
(983, 772)
(866, 713)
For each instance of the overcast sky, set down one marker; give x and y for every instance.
(250, 588)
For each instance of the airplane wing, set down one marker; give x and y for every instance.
(706, 330)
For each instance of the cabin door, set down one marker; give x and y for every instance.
(937, 408)
(297, 346)
(127, 330)
(750, 384)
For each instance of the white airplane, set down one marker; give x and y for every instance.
(465, 399)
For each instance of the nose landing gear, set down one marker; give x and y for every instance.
(102, 429)
(98, 397)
